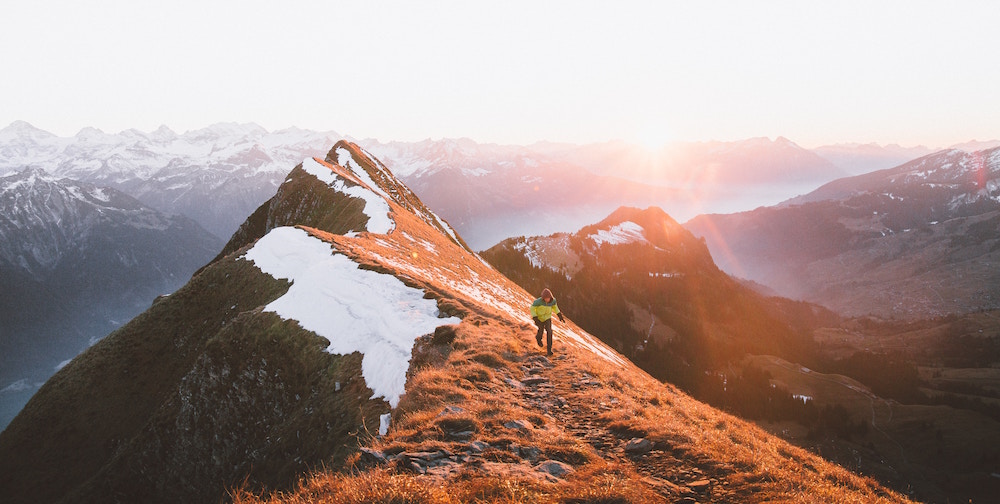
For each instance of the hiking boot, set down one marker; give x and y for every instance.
(549, 353)
(539, 340)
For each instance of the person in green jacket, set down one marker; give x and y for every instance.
(541, 312)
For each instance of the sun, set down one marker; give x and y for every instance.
(653, 137)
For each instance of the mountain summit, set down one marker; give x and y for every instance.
(346, 326)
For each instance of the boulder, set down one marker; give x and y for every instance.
(554, 468)
(519, 425)
(638, 446)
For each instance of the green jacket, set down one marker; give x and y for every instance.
(543, 310)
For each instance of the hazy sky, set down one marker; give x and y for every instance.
(907, 72)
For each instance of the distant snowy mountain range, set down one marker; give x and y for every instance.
(219, 174)
(213, 175)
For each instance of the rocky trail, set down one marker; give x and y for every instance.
(554, 390)
(557, 390)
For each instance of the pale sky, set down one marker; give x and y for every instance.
(906, 72)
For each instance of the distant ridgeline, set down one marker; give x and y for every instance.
(647, 287)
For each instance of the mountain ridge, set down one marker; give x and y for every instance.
(217, 385)
(219, 174)
(650, 289)
(891, 243)
(862, 392)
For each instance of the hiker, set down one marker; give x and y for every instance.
(541, 312)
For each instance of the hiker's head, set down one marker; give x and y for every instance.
(547, 295)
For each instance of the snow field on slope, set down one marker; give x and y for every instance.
(473, 286)
(626, 232)
(356, 310)
(345, 159)
(376, 207)
(531, 254)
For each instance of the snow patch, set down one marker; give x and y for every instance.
(530, 253)
(376, 207)
(473, 286)
(76, 193)
(626, 232)
(475, 172)
(444, 225)
(18, 386)
(99, 194)
(356, 310)
(590, 343)
(345, 159)
(665, 274)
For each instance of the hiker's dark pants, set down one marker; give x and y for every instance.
(546, 327)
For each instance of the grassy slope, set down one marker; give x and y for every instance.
(152, 418)
(698, 452)
(142, 410)
(583, 413)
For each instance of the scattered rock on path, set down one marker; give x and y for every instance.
(451, 410)
(535, 380)
(540, 360)
(638, 446)
(519, 425)
(371, 458)
(699, 486)
(554, 468)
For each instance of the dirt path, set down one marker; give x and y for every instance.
(556, 388)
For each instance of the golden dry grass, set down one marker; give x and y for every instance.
(583, 413)
(694, 441)
(607, 484)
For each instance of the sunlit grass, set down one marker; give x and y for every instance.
(466, 388)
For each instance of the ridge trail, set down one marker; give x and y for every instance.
(556, 388)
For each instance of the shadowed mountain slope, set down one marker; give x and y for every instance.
(76, 262)
(648, 287)
(643, 284)
(918, 240)
(348, 327)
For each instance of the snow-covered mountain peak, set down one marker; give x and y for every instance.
(936, 187)
(631, 231)
(953, 166)
(203, 173)
(228, 131)
(374, 175)
(91, 134)
(23, 131)
(163, 134)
